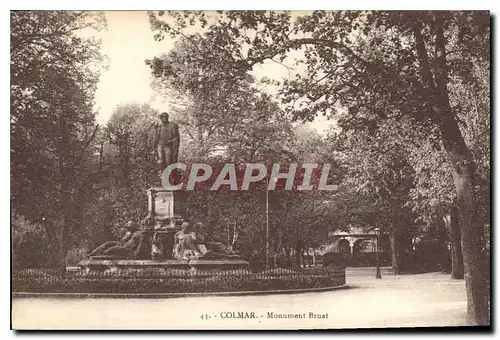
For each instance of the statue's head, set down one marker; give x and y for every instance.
(185, 226)
(164, 117)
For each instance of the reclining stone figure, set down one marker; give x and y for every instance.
(132, 244)
(194, 243)
(185, 246)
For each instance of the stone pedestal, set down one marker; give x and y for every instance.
(163, 203)
(156, 253)
(204, 266)
(124, 265)
(200, 267)
(165, 241)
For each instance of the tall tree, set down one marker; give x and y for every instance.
(127, 169)
(378, 65)
(216, 111)
(54, 72)
(378, 168)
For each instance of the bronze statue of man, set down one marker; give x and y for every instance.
(166, 144)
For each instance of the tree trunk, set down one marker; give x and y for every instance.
(277, 251)
(298, 257)
(395, 256)
(275, 259)
(58, 253)
(472, 241)
(101, 157)
(453, 227)
(64, 194)
(235, 234)
(288, 253)
(463, 170)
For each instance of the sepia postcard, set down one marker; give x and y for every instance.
(257, 170)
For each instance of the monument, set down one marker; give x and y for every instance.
(166, 239)
(162, 203)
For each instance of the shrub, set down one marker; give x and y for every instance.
(29, 244)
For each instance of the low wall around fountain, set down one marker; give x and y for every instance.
(175, 281)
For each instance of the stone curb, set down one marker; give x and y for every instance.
(174, 295)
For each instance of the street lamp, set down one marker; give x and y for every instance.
(267, 222)
(275, 180)
(377, 232)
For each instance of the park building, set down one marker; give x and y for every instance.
(357, 245)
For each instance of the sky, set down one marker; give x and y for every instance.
(127, 42)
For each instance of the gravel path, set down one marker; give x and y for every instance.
(421, 300)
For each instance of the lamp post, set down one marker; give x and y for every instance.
(267, 222)
(275, 180)
(378, 275)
